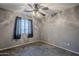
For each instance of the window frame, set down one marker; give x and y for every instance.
(15, 28)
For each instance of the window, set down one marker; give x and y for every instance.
(23, 26)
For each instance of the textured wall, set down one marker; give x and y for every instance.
(7, 27)
(63, 29)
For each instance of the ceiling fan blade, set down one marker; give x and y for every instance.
(42, 14)
(42, 7)
(28, 10)
(45, 8)
(30, 5)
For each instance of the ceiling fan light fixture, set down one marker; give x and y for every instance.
(34, 13)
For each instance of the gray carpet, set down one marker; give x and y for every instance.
(37, 49)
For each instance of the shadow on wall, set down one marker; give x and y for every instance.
(64, 31)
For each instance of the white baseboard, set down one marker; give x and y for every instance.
(17, 45)
(60, 47)
(39, 41)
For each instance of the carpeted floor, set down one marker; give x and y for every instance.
(37, 49)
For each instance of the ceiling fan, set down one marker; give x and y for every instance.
(36, 9)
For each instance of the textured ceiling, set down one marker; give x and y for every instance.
(60, 6)
(21, 6)
(53, 7)
(12, 6)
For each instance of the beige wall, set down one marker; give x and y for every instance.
(6, 30)
(62, 30)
